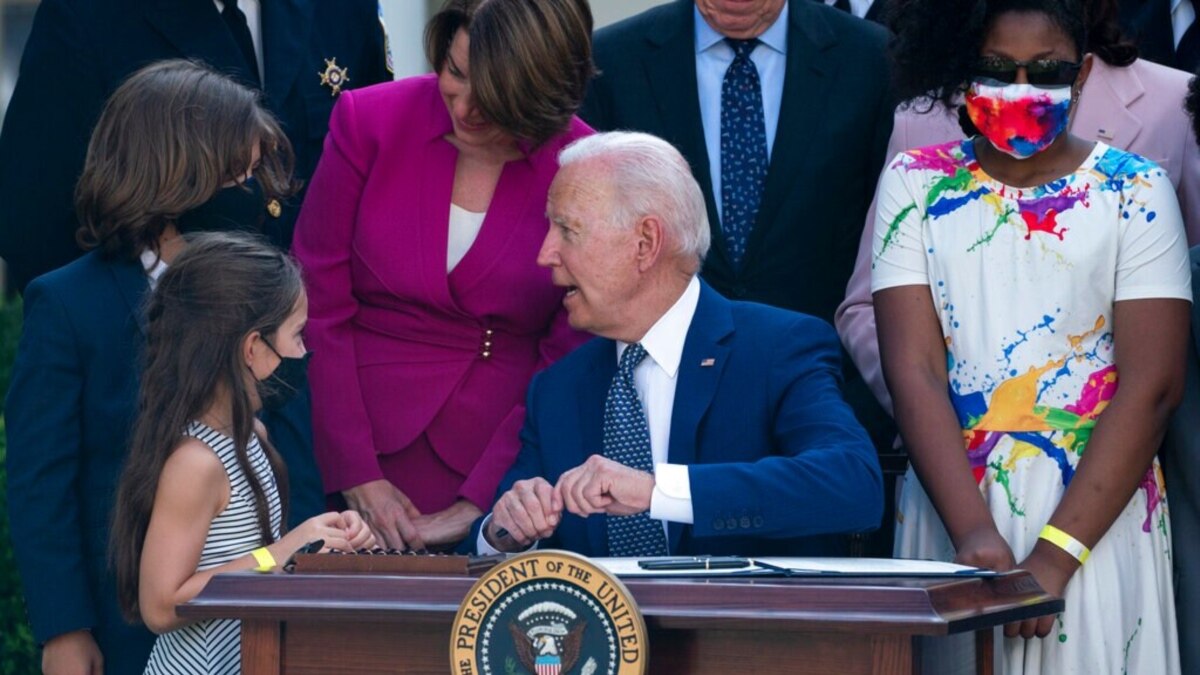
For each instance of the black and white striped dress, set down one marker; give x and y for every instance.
(214, 647)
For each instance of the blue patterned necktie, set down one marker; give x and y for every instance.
(627, 440)
(743, 149)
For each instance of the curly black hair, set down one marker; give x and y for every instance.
(938, 41)
(1192, 103)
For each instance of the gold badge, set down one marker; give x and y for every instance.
(550, 613)
(334, 77)
(274, 208)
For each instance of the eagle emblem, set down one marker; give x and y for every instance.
(548, 638)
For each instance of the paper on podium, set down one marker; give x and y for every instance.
(818, 567)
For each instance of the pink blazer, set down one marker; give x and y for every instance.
(400, 347)
(1137, 108)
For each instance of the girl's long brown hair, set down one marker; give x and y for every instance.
(222, 288)
(168, 139)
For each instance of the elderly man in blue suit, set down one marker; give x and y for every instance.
(692, 424)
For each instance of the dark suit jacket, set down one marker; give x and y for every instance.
(778, 464)
(1148, 24)
(834, 124)
(80, 50)
(70, 409)
(1181, 472)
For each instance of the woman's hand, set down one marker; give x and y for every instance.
(1053, 568)
(450, 526)
(984, 547)
(388, 512)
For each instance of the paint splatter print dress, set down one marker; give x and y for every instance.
(1024, 281)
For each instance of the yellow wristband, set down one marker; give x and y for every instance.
(1066, 542)
(266, 561)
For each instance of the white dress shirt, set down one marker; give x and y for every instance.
(857, 7)
(1183, 14)
(713, 58)
(253, 11)
(154, 266)
(655, 379)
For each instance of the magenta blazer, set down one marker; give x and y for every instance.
(400, 347)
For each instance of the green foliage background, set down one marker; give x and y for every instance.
(18, 655)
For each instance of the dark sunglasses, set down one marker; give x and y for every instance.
(995, 70)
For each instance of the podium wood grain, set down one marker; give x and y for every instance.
(300, 624)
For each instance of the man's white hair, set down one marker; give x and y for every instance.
(649, 178)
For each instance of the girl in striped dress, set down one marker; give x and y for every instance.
(201, 493)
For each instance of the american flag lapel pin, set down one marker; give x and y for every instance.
(708, 363)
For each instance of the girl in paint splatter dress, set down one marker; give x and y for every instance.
(1032, 291)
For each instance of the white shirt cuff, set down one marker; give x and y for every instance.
(484, 547)
(672, 497)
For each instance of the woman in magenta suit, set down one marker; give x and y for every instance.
(419, 235)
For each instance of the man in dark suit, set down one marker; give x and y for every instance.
(80, 50)
(692, 424)
(785, 231)
(1165, 31)
(1181, 473)
(824, 95)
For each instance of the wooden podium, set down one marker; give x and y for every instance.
(401, 624)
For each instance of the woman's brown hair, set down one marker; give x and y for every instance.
(220, 289)
(168, 139)
(530, 60)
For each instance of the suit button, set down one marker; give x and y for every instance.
(731, 523)
(718, 524)
(489, 332)
(745, 522)
(758, 521)
(486, 355)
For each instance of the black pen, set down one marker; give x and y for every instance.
(695, 563)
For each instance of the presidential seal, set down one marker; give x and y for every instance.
(548, 613)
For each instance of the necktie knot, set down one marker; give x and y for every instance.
(742, 48)
(630, 358)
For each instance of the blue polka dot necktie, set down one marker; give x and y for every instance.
(743, 149)
(627, 440)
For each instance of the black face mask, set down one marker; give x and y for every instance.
(237, 208)
(289, 378)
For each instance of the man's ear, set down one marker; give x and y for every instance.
(651, 237)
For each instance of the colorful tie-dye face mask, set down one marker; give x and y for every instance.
(1019, 119)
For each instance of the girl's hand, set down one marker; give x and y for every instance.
(984, 547)
(357, 532)
(1052, 568)
(328, 526)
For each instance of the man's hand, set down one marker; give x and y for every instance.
(74, 653)
(531, 510)
(601, 485)
(388, 512)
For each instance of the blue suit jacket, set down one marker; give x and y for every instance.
(69, 414)
(70, 409)
(778, 463)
